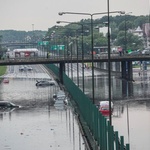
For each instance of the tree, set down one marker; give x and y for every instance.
(139, 21)
(132, 41)
(125, 25)
(0, 42)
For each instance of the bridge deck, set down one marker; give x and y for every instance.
(53, 60)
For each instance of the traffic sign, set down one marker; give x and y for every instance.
(41, 43)
(58, 47)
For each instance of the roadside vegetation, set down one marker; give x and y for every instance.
(2, 70)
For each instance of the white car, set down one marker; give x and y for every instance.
(146, 52)
(29, 68)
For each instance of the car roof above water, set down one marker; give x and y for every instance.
(7, 104)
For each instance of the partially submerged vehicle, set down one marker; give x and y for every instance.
(45, 83)
(104, 108)
(7, 104)
(60, 97)
(5, 80)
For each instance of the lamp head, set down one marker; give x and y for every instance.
(122, 12)
(60, 13)
(58, 22)
(128, 13)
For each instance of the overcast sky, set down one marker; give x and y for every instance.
(41, 15)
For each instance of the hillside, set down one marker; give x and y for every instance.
(21, 36)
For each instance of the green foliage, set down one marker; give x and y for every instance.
(2, 70)
(118, 24)
(123, 27)
(60, 34)
(139, 21)
(21, 36)
(133, 41)
(0, 42)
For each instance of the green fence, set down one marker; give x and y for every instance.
(101, 130)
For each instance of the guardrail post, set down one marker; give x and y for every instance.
(127, 147)
(116, 140)
(61, 70)
(121, 143)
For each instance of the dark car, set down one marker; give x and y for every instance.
(5, 104)
(21, 68)
(45, 83)
(29, 68)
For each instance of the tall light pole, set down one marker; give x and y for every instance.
(32, 27)
(33, 32)
(109, 66)
(125, 19)
(82, 48)
(92, 49)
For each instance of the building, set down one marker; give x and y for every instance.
(146, 34)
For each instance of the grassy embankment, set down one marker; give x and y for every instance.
(2, 70)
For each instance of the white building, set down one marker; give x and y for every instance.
(138, 31)
(104, 30)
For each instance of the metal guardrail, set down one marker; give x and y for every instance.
(101, 130)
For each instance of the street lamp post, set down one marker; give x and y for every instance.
(125, 46)
(109, 66)
(33, 33)
(92, 49)
(82, 49)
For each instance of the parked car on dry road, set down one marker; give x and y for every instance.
(146, 52)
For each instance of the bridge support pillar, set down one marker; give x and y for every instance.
(61, 70)
(130, 71)
(127, 70)
(123, 69)
(118, 66)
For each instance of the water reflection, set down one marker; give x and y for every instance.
(38, 121)
(131, 105)
(131, 119)
(121, 89)
(6, 111)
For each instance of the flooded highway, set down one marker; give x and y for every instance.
(38, 124)
(131, 115)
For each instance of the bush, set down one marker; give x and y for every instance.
(2, 70)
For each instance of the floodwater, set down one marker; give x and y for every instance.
(38, 124)
(132, 120)
(131, 115)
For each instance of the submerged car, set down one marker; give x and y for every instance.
(6, 80)
(21, 68)
(59, 96)
(104, 108)
(45, 83)
(60, 100)
(29, 68)
(7, 104)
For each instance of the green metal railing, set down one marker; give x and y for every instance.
(99, 126)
